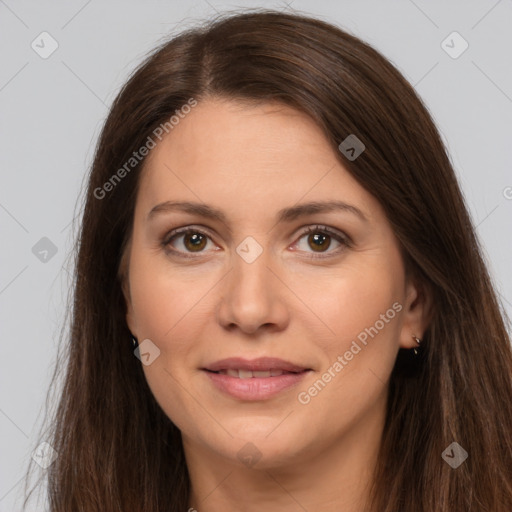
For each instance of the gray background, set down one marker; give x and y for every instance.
(51, 111)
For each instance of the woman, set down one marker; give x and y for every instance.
(280, 300)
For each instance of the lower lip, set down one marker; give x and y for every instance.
(255, 388)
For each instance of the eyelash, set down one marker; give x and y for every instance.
(338, 236)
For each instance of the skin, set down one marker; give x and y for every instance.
(250, 161)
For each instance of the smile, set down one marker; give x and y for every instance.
(248, 374)
(254, 385)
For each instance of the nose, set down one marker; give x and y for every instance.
(253, 297)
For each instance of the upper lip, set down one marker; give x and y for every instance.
(260, 364)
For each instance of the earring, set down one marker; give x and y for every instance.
(135, 341)
(418, 341)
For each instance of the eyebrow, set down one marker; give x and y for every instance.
(285, 215)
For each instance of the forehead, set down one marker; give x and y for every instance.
(226, 133)
(249, 158)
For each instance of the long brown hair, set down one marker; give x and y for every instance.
(117, 450)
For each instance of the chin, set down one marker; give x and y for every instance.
(261, 446)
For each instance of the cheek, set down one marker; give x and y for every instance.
(351, 301)
(172, 309)
(163, 305)
(360, 311)
(164, 296)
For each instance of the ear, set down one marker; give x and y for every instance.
(418, 311)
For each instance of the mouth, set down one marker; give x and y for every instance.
(248, 374)
(256, 379)
(246, 368)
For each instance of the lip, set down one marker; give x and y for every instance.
(260, 364)
(255, 388)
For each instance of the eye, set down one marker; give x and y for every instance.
(320, 238)
(187, 240)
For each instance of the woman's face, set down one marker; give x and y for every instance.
(248, 281)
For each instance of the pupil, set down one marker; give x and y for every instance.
(196, 240)
(319, 241)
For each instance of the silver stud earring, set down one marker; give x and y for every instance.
(135, 341)
(418, 341)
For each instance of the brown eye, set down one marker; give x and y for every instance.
(194, 242)
(320, 239)
(186, 241)
(319, 242)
